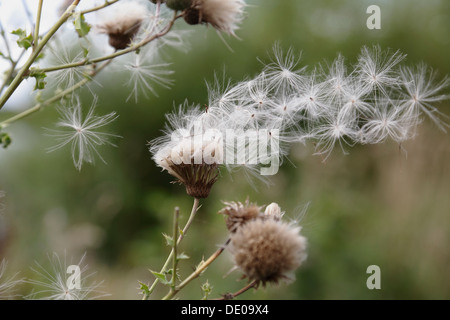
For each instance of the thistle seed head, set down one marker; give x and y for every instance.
(197, 178)
(194, 163)
(223, 15)
(268, 250)
(238, 214)
(122, 24)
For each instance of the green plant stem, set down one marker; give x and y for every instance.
(36, 27)
(194, 210)
(25, 68)
(115, 54)
(198, 271)
(55, 98)
(10, 72)
(5, 39)
(174, 247)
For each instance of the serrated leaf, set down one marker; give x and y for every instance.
(24, 41)
(81, 26)
(144, 288)
(182, 256)
(5, 139)
(169, 240)
(161, 277)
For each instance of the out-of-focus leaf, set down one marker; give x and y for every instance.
(24, 41)
(81, 26)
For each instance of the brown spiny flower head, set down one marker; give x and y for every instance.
(238, 213)
(267, 250)
(122, 22)
(224, 15)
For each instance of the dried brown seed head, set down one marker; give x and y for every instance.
(238, 214)
(268, 250)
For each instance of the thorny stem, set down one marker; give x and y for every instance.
(116, 53)
(25, 68)
(198, 271)
(230, 296)
(55, 98)
(36, 27)
(194, 210)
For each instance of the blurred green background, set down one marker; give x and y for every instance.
(375, 205)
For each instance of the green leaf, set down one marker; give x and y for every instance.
(39, 76)
(24, 41)
(39, 57)
(182, 256)
(144, 288)
(81, 26)
(85, 51)
(169, 240)
(5, 139)
(160, 276)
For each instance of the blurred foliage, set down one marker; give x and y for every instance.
(376, 205)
